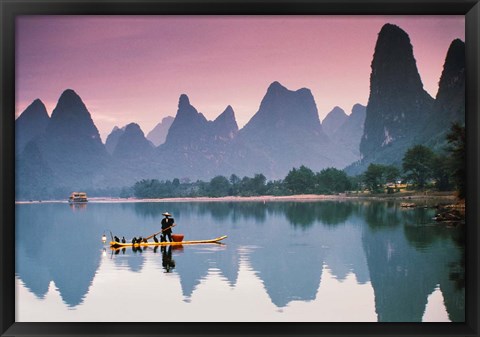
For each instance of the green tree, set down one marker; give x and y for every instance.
(259, 184)
(457, 144)
(441, 172)
(418, 165)
(253, 186)
(391, 173)
(356, 182)
(235, 184)
(300, 181)
(276, 187)
(373, 177)
(332, 180)
(219, 186)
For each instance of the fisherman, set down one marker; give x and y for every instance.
(167, 224)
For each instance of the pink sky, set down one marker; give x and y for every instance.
(134, 68)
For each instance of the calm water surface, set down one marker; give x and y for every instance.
(282, 261)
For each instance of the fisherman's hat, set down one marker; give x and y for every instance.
(166, 214)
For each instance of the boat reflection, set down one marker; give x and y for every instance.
(168, 263)
(75, 207)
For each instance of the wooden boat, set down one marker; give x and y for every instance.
(114, 244)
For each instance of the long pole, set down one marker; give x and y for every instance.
(151, 236)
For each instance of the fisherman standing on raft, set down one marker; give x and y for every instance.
(166, 223)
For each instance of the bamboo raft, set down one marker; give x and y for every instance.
(114, 244)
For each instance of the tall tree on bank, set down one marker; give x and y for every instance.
(300, 181)
(373, 177)
(418, 165)
(457, 143)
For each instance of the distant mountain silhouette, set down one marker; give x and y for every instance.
(334, 120)
(30, 124)
(112, 139)
(33, 176)
(195, 147)
(449, 103)
(225, 127)
(189, 129)
(286, 132)
(400, 113)
(72, 121)
(64, 152)
(132, 144)
(72, 154)
(398, 105)
(159, 133)
(350, 132)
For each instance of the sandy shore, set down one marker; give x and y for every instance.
(269, 198)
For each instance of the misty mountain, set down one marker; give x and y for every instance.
(449, 106)
(68, 155)
(195, 146)
(350, 132)
(159, 133)
(334, 120)
(112, 139)
(57, 155)
(33, 176)
(132, 144)
(225, 127)
(286, 132)
(30, 124)
(398, 105)
(400, 114)
(189, 129)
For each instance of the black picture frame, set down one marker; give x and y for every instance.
(9, 9)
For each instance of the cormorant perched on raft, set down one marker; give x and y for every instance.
(123, 239)
(134, 240)
(155, 238)
(116, 238)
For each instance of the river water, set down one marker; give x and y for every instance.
(324, 261)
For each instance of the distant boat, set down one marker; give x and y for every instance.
(78, 197)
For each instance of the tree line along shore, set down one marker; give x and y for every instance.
(422, 171)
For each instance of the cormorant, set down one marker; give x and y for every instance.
(155, 238)
(116, 239)
(123, 239)
(134, 240)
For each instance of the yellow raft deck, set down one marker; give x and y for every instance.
(114, 244)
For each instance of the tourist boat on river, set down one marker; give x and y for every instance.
(78, 197)
(114, 244)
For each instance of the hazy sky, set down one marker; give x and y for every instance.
(134, 68)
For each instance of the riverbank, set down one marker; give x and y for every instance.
(414, 197)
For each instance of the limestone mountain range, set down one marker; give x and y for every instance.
(61, 153)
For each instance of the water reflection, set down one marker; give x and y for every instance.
(288, 246)
(78, 206)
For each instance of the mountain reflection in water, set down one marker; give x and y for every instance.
(392, 259)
